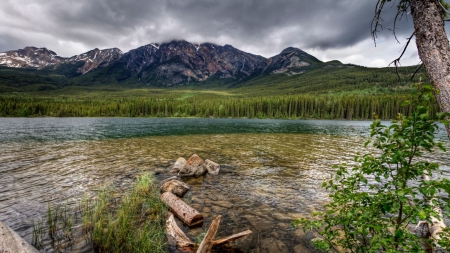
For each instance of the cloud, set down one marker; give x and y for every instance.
(265, 27)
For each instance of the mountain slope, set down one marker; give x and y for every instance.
(162, 65)
(181, 63)
(40, 58)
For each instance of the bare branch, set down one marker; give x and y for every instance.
(443, 8)
(396, 62)
(417, 70)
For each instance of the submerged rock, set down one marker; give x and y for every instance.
(272, 245)
(195, 166)
(179, 164)
(212, 167)
(174, 186)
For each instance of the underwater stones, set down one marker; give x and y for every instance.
(179, 164)
(195, 166)
(223, 203)
(301, 249)
(212, 167)
(272, 245)
(174, 186)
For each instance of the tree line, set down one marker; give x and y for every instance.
(358, 106)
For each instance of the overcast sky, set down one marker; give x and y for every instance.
(327, 29)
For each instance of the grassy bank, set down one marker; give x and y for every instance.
(133, 222)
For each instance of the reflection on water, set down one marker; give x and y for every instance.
(272, 170)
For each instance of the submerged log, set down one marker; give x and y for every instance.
(231, 238)
(176, 237)
(186, 213)
(207, 242)
(11, 242)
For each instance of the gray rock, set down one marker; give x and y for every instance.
(175, 186)
(195, 166)
(212, 167)
(179, 164)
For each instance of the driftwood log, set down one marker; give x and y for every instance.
(207, 242)
(186, 213)
(178, 240)
(176, 237)
(231, 238)
(11, 242)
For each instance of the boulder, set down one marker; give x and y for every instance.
(174, 186)
(195, 166)
(179, 164)
(212, 167)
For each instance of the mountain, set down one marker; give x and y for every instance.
(40, 58)
(163, 65)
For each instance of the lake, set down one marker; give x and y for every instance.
(272, 169)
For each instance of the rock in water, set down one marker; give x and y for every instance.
(179, 164)
(195, 166)
(212, 167)
(174, 186)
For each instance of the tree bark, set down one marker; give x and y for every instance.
(434, 48)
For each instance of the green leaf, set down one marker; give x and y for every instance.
(406, 102)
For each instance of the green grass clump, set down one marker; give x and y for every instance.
(133, 223)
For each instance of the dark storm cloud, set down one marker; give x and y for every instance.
(261, 26)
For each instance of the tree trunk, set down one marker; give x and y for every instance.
(434, 49)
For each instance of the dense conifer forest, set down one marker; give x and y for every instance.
(350, 92)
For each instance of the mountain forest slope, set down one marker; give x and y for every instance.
(183, 79)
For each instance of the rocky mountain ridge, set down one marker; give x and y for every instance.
(41, 58)
(166, 64)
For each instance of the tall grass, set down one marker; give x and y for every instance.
(132, 222)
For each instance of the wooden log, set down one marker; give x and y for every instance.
(187, 214)
(176, 238)
(10, 241)
(207, 242)
(231, 238)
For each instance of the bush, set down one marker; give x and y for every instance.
(375, 205)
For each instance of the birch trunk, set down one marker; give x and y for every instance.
(434, 49)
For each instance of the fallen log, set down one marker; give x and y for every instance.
(207, 242)
(187, 214)
(231, 238)
(10, 241)
(176, 237)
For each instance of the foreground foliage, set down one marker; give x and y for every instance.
(376, 204)
(133, 222)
